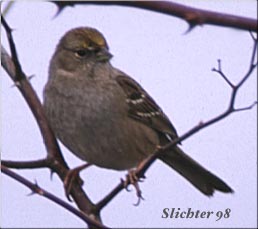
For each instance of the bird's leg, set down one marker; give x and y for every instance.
(132, 178)
(70, 177)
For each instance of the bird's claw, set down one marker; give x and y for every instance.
(134, 180)
(72, 176)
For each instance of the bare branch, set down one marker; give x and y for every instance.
(33, 101)
(246, 108)
(221, 73)
(19, 75)
(40, 191)
(191, 15)
(56, 160)
(43, 163)
(101, 204)
(253, 37)
(8, 8)
(252, 65)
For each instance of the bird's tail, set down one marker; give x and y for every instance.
(201, 178)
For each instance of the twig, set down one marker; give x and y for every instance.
(101, 204)
(246, 108)
(19, 75)
(43, 163)
(36, 189)
(219, 70)
(8, 8)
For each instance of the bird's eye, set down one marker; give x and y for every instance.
(80, 53)
(96, 49)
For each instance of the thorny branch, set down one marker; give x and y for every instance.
(36, 189)
(191, 15)
(54, 159)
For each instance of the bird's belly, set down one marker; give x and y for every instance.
(105, 137)
(112, 144)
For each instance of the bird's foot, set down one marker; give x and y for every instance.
(133, 179)
(72, 176)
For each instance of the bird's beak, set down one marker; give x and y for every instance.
(104, 55)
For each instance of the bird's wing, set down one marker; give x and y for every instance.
(143, 108)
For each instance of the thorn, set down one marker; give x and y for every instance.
(30, 77)
(60, 7)
(10, 30)
(190, 28)
(59, 10)
(36, 187)
(31, 193)
(51, 174)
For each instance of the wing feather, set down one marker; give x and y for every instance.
(143, 108)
